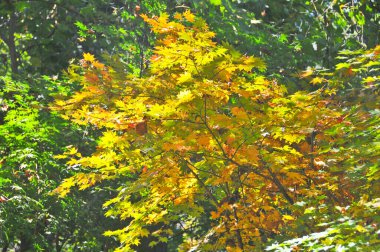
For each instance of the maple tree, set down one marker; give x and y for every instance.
(330, 117)
(206, 135)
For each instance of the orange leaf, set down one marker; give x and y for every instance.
(239, 113)
(203, 140)
(252, 154)
(215, 215)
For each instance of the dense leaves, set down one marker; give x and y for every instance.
(31, 219)
(178, 136)
(206, 136)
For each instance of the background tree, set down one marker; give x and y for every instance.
(30, 218)
(38, 38)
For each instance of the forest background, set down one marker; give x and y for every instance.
(221, 125)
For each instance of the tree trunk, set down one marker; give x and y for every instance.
(25, 243)
(11, 44)
(5, 248)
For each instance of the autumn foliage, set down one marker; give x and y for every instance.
(217, 153)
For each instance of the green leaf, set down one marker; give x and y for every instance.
(216, 2)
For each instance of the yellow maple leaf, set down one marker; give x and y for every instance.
(185, 77)
(88, 57)
(72, 151)
(361, 229)
(306, 73)
(287, 218)
(60, 156)
(317, 80)
(189, 16)
(158, 110)
(184, 96)
(64, 188)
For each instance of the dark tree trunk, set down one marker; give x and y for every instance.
(12, 45)
(8, 36)
(5, 248)
(25, 243)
